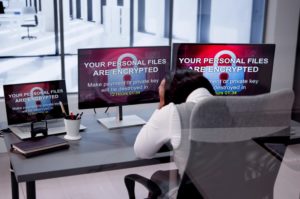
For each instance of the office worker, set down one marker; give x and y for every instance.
(164, 125)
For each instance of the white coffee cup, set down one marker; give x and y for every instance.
(72, 129)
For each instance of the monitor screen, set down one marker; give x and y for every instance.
(36, 101)
(232, 69)
(121, 76)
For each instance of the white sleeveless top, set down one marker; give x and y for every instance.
(164, 126)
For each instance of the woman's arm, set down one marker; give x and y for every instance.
(160, 129)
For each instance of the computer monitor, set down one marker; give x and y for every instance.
(232, 69)
(35, 101)
(121, 76)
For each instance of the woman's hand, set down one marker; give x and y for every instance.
(161, 92)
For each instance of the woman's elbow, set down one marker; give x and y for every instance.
(140, 152)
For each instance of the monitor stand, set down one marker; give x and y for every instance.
(121, 121)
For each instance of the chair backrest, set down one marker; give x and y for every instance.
(224, 161)
(28, 10)
(29, 16)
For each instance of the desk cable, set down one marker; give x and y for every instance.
(104, 111)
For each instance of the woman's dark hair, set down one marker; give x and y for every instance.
(181, 83)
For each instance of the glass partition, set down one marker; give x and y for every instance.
(27, 29)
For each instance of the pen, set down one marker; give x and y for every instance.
(62, 108)
(79, 116)
(71, 116)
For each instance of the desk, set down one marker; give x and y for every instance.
(13, 11)
(98, 150)
(11, 18)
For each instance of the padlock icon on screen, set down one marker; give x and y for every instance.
(222, 81)
(125, 82)
(38, 103)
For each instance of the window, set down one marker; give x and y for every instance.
(113, 23)
(185, 21)
(218, 21)
(149, 23)
(230, 21)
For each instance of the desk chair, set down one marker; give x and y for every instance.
(30, 25)
(222, 159)
(30, 21)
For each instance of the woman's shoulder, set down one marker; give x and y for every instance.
(164, 113)
(168, 107)
(198, 94)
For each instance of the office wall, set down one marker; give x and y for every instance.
(233, 24)
(154, 11)
(74, 9)
(66, 13)
(116, 22)
(96, 11)
(282, 29)
(185, 20)
(48, 22)
(84, 9)
(48, 15)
